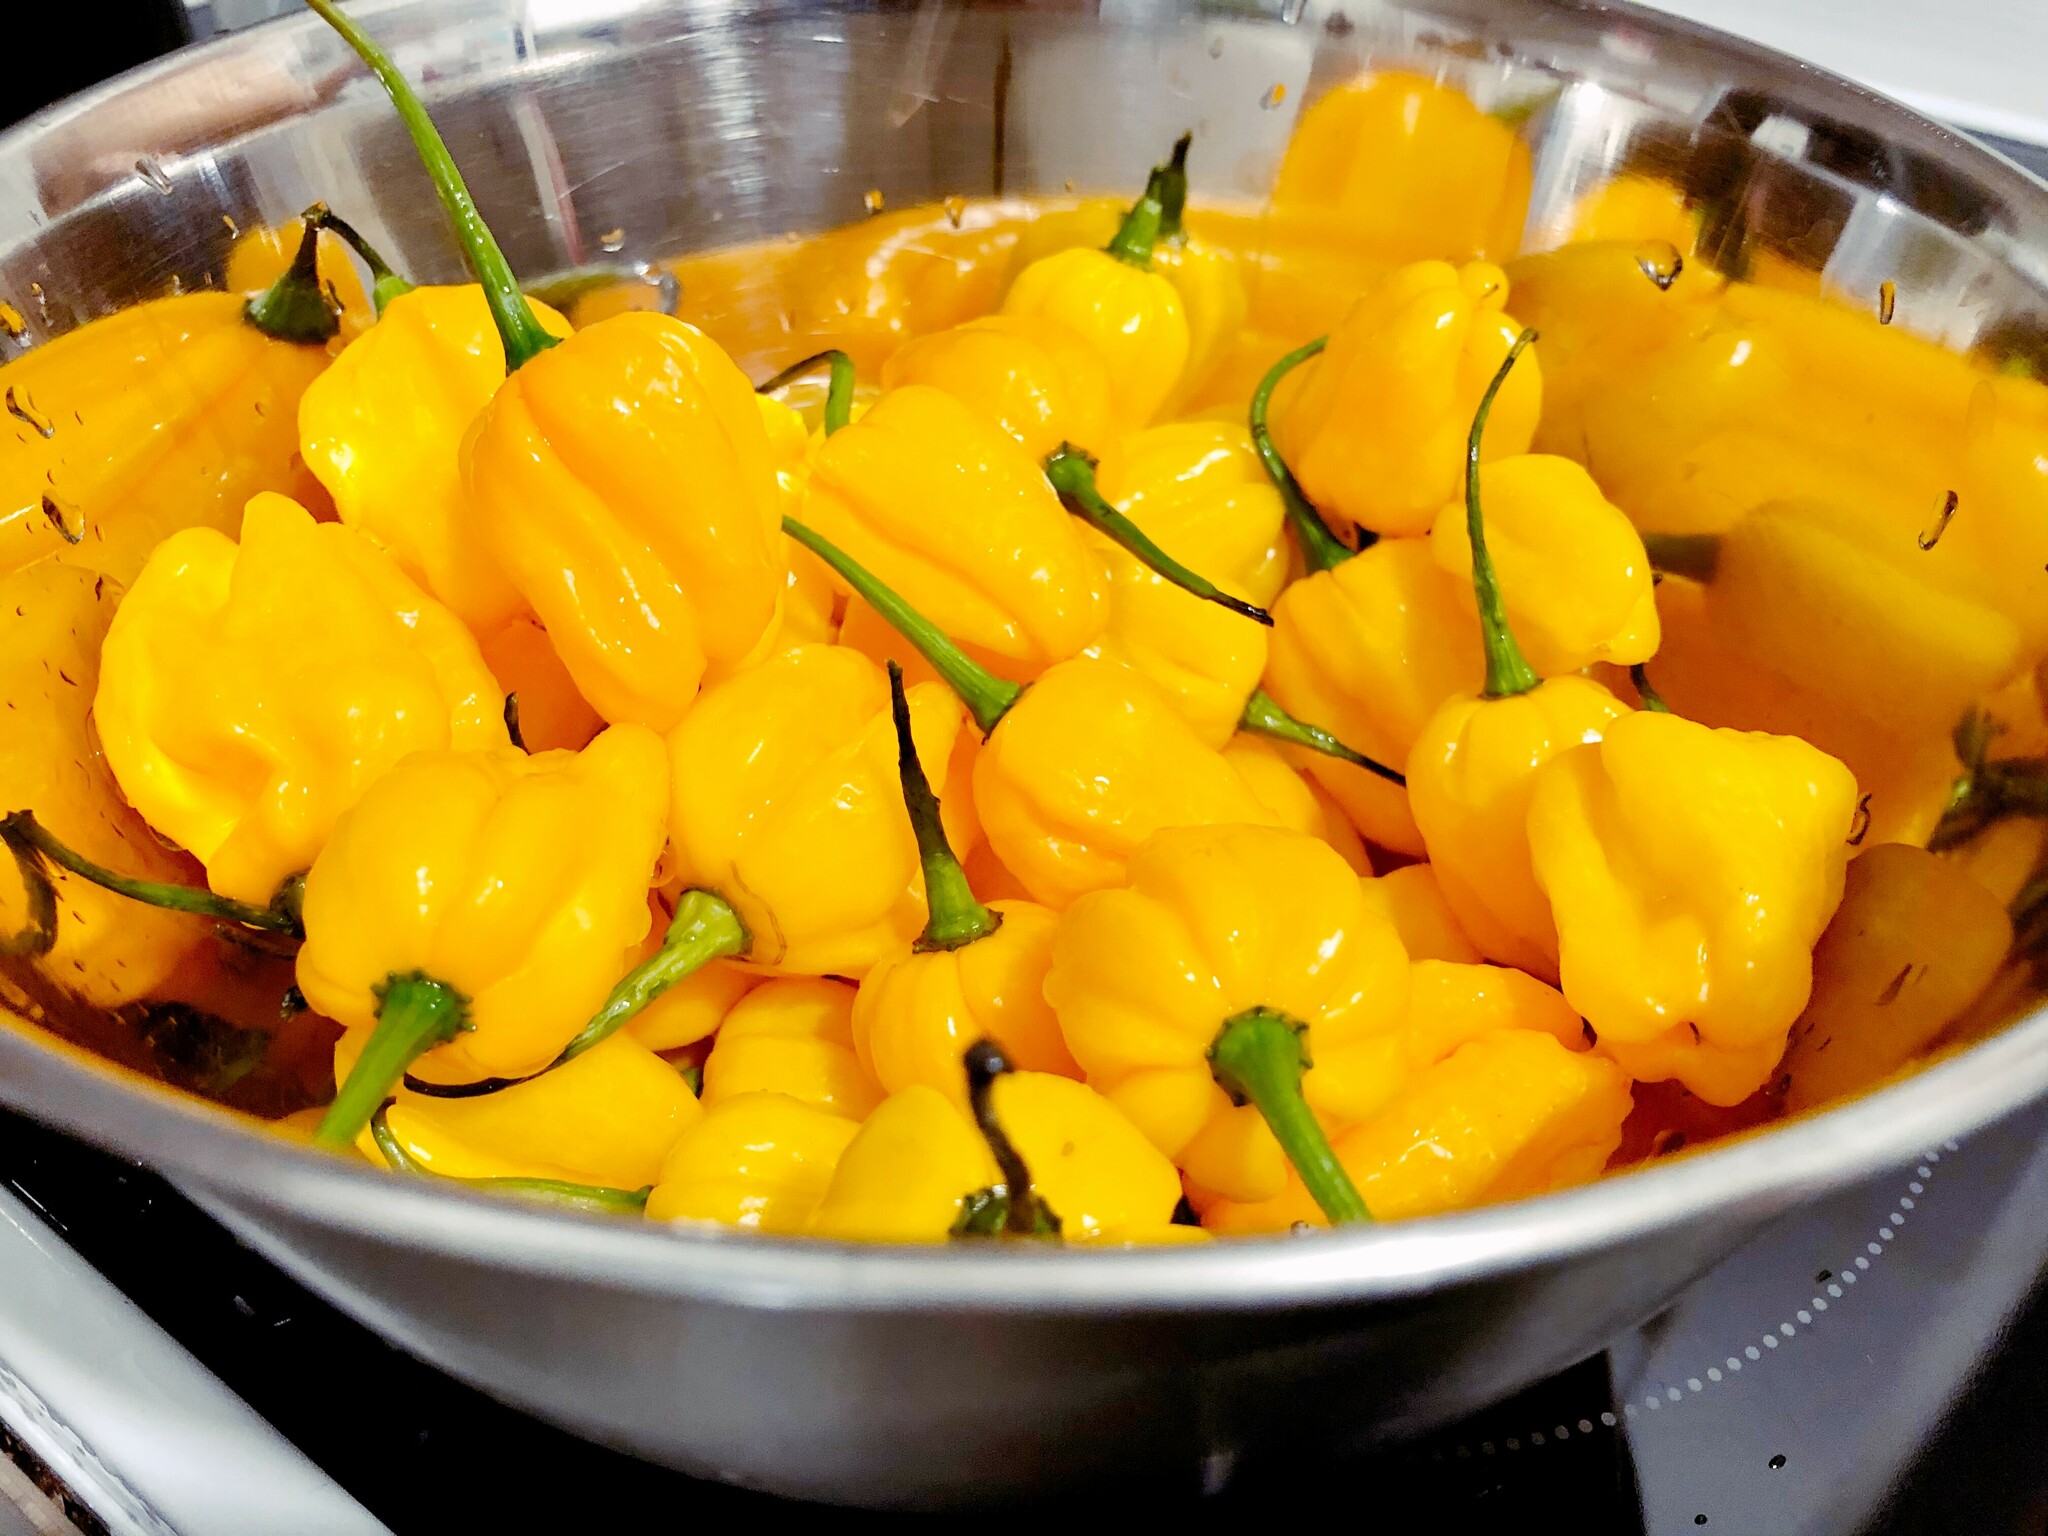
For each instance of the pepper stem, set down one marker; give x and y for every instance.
(1507, 670)
(1173, 194)
(38, 932)
(957, 919)
(1697, 555)
(385, 284)
(518, 327)
(29, 838)
(838, 389)
(415, 1013)
(987, 697)
(1072, 473)
(1263, 717)
(295, 307)
(1016, 1209)
(1258, 1058)
(559, 1192)
(1140, 230)
(1320, 548)
(1650, 698)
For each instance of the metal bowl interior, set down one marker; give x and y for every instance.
(674, 125)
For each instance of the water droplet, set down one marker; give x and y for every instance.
(1290, 12)
(1068, 184)
(1275, 94)
(612, 241)
(955, 207)
(152, 172)
(873, 200)
(23, 410)
(234, 229)
(12, 321)
(35, 291)
(1216, 46)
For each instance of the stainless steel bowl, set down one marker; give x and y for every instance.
(908, 1377)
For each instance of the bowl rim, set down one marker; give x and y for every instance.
(247, 1173)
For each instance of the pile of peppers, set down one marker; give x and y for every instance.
(1199, 722)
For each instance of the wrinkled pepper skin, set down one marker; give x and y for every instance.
(1573, 573)
(607, 1117)
(1371, 649)
(1375, 430)
(1133, 318)
(1199, 490)
(906, 1176)
(383, 430)
(1470, 777)
(1411, 167)
(1914, 943)
(1090, 762)
(250, 693)
(1411, 899)
(693, 1008)
(757, 1160)
(787, 805)
(625, 484)
(1691, 872)
(1216, 921)
(1033, 378)
(519, 881)
(919, 1010)
(792, 1036)
(168, 415)
(950, 512)
(1296, 801)
(108, 950)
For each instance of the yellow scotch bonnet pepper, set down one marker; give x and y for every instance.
(1030, 376)
(163, 416)
(792, 1036)
(473, 909)
(249, 693)
(756, 1160)
(1691, 870)
(1235, 957)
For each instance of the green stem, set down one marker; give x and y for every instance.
(518, 327)
(705, 928)
(576, 1197)
(1258, 1058)
(957, 919)
(1263, 717)
(1507, 670)
(1140, 230)
(1697, 555)
(21, 831)
(1173, 194)
(38, 932)
(1320, 548)
(1991, 792)
(295, 307)
(517, 736)
(1072, 474)
(987, 697)
(838, 389)
(1016, 1209)
(1651, 699)
(385, 284)
(415, 1013)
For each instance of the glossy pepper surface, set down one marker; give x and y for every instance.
(1217, 923)
(517, 882)
(755, 1160)
(104, 948)
(163, 416)
(250, 693)
(1036, 379)
(383, 430)
(954, 515)
(1376, 427)
(787, 805)
(792, 1036)
(1691, 871)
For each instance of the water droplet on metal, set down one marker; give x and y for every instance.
(1216, 46)
(12, 321)
(1068, 184)
(234, 229)
(1275, 94)
(612, 241)
(955, 207)
(873, 200)
(1290, 12)
(152, 172)
(23, 410)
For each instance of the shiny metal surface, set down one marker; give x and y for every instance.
(885, 1376)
